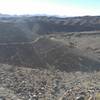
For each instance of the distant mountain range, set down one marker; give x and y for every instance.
(50, 24)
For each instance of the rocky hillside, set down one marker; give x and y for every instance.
(26, 41)
(47, 53)
(20, 83)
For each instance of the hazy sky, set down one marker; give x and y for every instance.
(51, 7)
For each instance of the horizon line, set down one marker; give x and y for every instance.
(48, 15)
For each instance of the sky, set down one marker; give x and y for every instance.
(50, 7)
